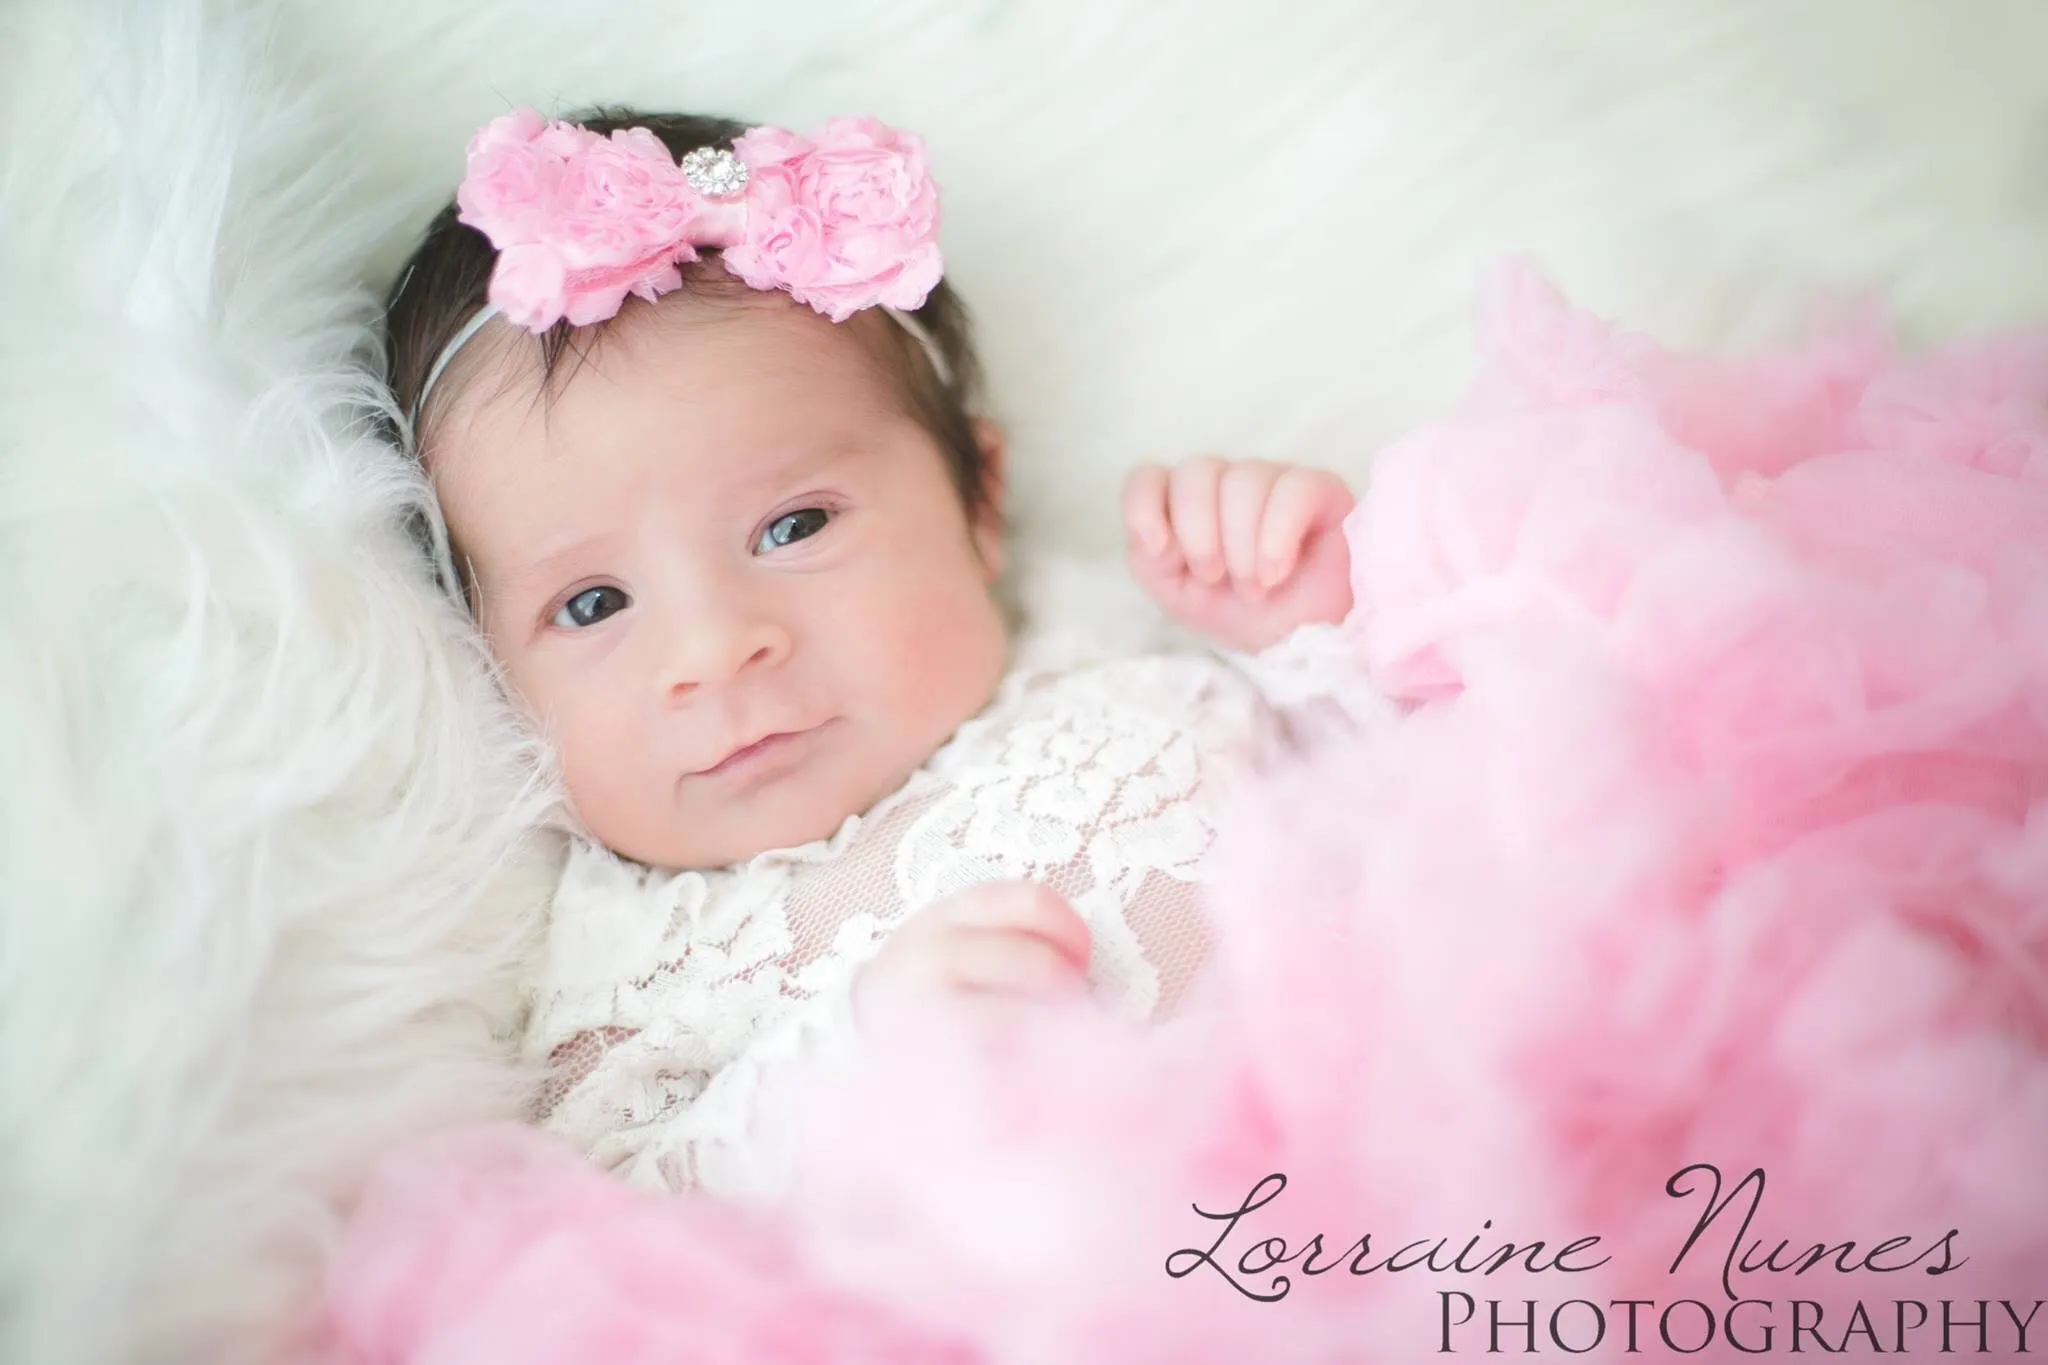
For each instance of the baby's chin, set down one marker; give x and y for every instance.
(740, 841)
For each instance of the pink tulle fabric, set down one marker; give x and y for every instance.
(1712, 832)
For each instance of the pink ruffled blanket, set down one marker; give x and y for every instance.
(1671, 978)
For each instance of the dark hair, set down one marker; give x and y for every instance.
(443, 285)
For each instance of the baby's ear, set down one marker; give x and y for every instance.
(988, 527)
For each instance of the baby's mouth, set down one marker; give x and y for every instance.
(750, 754)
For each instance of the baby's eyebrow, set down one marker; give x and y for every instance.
(804, 462)
(529, 573)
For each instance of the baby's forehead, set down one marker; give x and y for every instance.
(713, 404)
(752, 360)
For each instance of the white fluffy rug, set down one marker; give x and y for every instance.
(262, 822)
(266, 869)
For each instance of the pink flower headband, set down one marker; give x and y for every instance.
(844, 220)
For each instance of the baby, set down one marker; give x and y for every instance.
(700, 415)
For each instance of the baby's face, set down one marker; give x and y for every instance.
(728, 572)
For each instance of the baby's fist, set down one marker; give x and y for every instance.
(1245, 551)
(993, 941)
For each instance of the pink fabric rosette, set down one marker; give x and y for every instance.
(843, 221)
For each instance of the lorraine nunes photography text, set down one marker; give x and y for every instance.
(1757, 1313)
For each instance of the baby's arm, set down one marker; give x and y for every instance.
(981, 945)
(1244, 552)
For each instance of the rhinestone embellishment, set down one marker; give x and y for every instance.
(714, 172)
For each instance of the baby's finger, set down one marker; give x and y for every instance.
(1191, 503)
(1023, 907)
(1004, 960)
(1145, 520)
(1302, 502)
(1241, 506)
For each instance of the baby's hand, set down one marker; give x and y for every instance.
(1242, 551)
(994, 940)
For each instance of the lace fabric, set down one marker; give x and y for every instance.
(668, 996)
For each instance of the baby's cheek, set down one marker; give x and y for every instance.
(604, 763)
(946, 648)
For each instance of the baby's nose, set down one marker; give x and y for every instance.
(718, 647)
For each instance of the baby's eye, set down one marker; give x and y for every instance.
(788, 529)
(590, 606)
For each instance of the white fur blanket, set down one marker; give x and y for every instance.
(266, 869)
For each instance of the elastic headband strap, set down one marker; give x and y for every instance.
(923, 338)
(455, 343)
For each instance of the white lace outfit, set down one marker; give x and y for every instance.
(665, 996)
